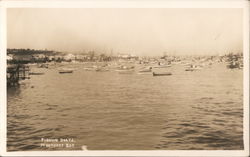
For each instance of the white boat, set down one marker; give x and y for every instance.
(89, 68)
(193, 68)
(42, 65)
(145, 71)
(162, 66)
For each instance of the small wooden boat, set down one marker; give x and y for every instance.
(145, 70)
(162, 66)
(193, 69)
(42, 65)
(144, 73)
(190, 69)
(36, 73)
(63, 71)
(89, 68)
(161, 74)
(101, 69)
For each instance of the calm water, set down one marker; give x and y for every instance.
(110, 111)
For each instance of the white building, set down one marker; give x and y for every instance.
(69, 57)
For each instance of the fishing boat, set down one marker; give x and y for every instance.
(161, 73)
(101, 69)
(89, 68)
(63, 71)
(193, 69)
(144, 71)
(36, 73)
(148, 69)
(42, 65)
(190, 69)
(162, 66)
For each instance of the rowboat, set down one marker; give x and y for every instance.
(63, 71)
(89, 69)
(144, 73)
(162, 66)
(161, 74)
(101, 69)
(144, 70)
(36, 73)
(193, 69)
(42, 65)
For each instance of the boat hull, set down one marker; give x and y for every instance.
(65, 72)
(162, 74)
(36, 73)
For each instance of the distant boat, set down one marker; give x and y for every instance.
(36, 73)
(190, 69)
(101, 69)
(162, 66)
(124, 67)
(144, 71)
(162, 73)
(193, 69)
(89, 68)
(149, 69)
(42, 65)
(62, 71)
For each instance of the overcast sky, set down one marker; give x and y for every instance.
(136, 31)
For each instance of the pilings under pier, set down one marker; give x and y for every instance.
(16, 72)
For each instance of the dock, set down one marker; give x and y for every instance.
(15, 73)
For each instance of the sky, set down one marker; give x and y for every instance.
(139, 31)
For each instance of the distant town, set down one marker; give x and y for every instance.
(25, 56)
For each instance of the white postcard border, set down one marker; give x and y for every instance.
(122, 4)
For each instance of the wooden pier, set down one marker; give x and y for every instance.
(17, 72)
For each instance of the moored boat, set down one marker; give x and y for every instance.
(148, 69)
(36, 73)
(101, 69)
(189, 69)
(162, 73)
(62, 71)
(162, 66)
(144, 73)
(42, 65)
(89, 69)
(193, 69)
